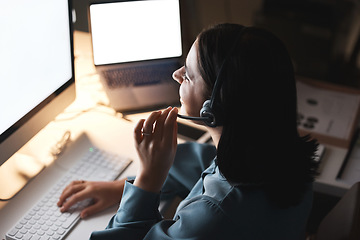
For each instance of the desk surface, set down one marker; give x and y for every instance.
(113, 133)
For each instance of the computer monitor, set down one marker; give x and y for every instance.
(37, 69)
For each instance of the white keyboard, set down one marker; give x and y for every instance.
(44, 220)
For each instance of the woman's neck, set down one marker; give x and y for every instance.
(215, 134)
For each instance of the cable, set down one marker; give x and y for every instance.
(60, 146)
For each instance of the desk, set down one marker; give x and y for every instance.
(113, 133)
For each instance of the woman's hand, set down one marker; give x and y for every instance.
(104, 195)
(155, 142)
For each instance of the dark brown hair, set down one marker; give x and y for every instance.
(260, 145)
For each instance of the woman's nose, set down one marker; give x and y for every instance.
(178, 76)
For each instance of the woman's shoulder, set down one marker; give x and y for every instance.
(220, 198)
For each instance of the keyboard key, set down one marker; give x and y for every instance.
(13, 232)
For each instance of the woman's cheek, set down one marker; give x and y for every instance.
(191, 102)
(183, 97)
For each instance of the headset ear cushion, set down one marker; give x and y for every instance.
(207, 112)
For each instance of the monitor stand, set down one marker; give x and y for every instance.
(16, 172)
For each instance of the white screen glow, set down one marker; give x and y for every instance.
(135, 30)
(35, 57)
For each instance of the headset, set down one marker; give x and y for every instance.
(208, 113)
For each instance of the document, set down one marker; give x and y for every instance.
(327, 112)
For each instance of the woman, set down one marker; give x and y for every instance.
(259, 185)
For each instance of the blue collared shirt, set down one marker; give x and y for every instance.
(213, 209)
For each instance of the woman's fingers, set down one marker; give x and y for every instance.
(92, 209)
(171, 125)
(69, 190)
(152, 126)
(75, 198)
(72, 194)
(145, 127)
(138, 131)
(159, 125)
(149, 123)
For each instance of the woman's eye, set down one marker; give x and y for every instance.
(185, 77)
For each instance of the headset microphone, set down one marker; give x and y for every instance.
(193, 118)
(206, 115)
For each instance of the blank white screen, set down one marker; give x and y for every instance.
(35, 56)
(135, 30)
